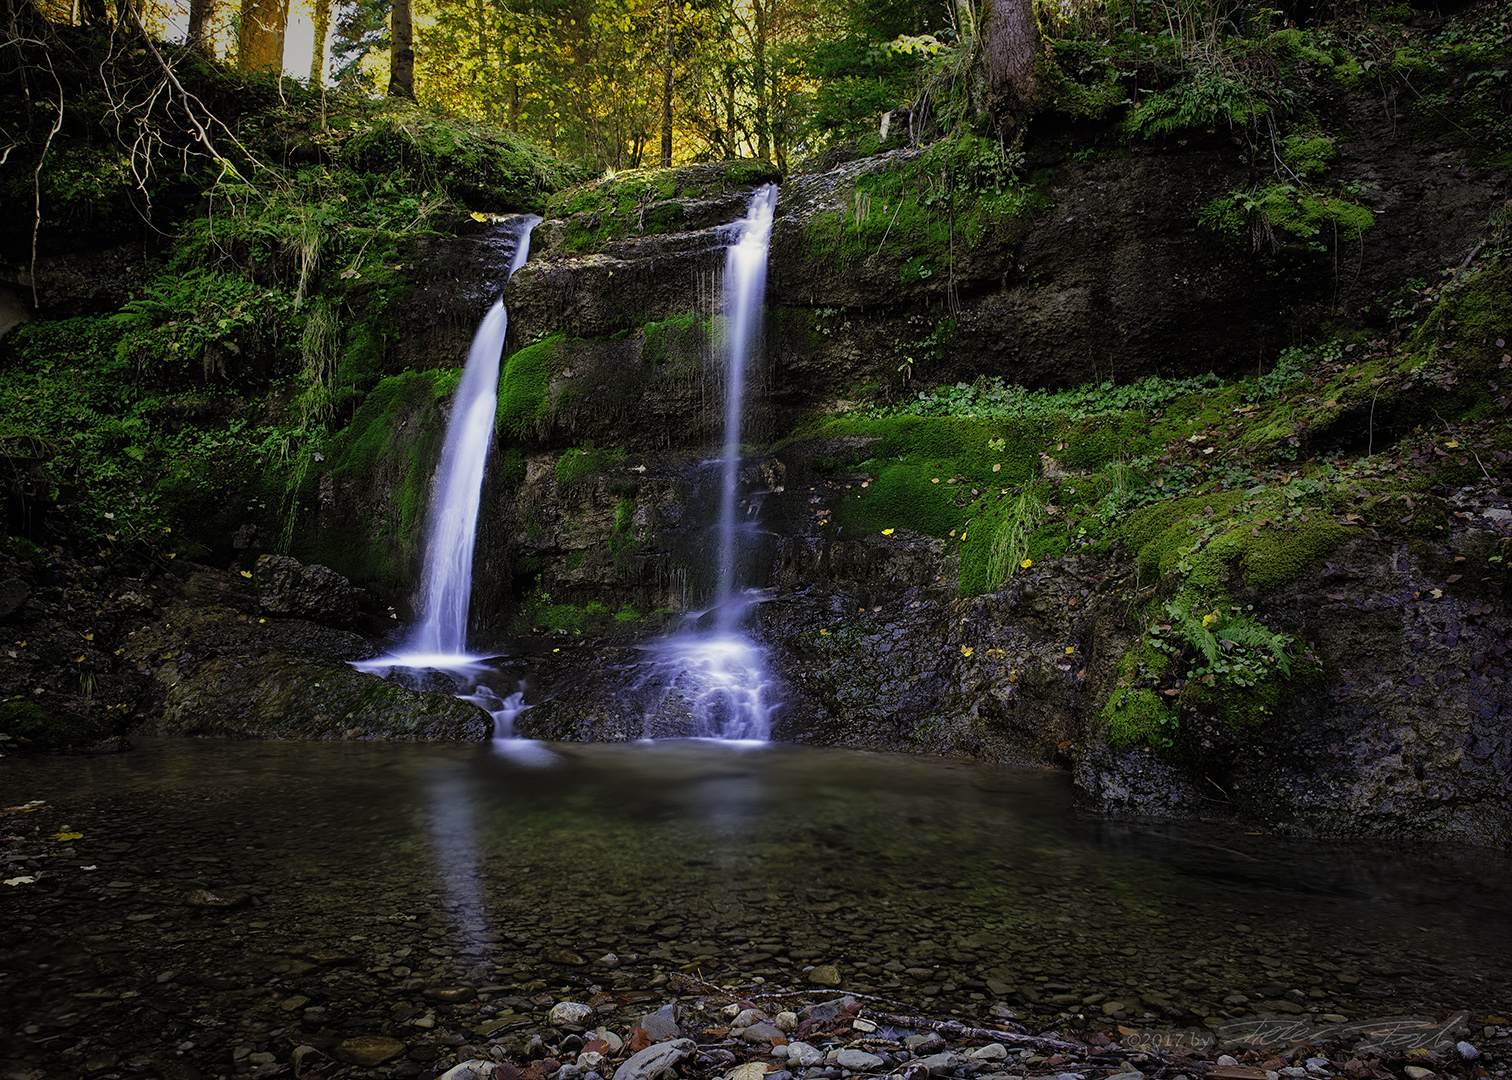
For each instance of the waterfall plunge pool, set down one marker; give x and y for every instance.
(249, 894)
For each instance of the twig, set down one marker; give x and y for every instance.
(37, 180)
(963, 1031)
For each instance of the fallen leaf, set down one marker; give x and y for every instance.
(888, 532)
(1026, 564)
(967, 650)
(20, 880)
(246, 573)
(67, 836)
(1452, 578)
(997, 467)
(1336, 596)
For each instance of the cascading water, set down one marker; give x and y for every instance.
(716, 670)
(439, 639)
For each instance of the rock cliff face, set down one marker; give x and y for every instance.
(597, 499)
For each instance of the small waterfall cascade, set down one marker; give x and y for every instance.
(719, 673)
(438, 641)
(451, 531)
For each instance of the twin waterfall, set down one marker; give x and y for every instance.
(717, 671)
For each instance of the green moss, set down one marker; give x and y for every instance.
(961, 189)
(1308, 155)
(524, 388)
(677, 342)
(24, 718)
(1286, 208)
(1138, 717)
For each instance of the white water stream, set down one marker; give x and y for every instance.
(716, 670)
(439, 640)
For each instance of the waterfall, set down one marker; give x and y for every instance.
(744, 293)
(439, 640)
(712, 667)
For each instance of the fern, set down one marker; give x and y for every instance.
(1245, 632)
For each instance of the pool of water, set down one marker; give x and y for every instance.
(228, 895)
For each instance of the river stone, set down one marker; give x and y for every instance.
(747, 1017)
(473, 1069)
(659, 1026)
(825, 975)
(787, 1021)
(655, 1059)
(368, 1050)
(804, 1055)
(940, 1064)
(990, 1052)
(570, 1014)
(763, 1034)
(858, 1060)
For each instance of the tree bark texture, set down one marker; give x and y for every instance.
(402, 58)
(322, 28)
(201, 13)
(260, 35)
(666, 120)
(1010, 46)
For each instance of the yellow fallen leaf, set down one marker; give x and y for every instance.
(888, 532)
(67, 836)
(1209, 619)
(823, 632)
(88, 637)
(246, 573)
(1070, 650)
(1452, 443)
(967, 650)
(477, 216)
(998, 467)
(1026, 564)
(934, 480)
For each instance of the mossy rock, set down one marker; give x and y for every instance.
(33, 726)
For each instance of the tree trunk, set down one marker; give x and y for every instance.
(260, 35)
(322, 28)
(402, 56)
(201, 13)
(1010, 46)
(759, 79)
(666, 123)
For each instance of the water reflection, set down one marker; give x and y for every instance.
(941, 884)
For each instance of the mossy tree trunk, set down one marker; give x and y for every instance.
(322, 28)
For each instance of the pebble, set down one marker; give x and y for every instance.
(368, 1050)
(803, 1055)
(1417, 1072)
(570, 1014)
(788, 1021)
(825, 975)
(991, 1052)
(857, 1060)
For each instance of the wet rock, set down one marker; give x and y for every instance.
(286, 587)
(825, 975)
(450, 994)
(763, 1034)
(855, 1060)
(368, 1050)
(660, 1025)
(13, 593)
(804, 1055)
(571, 1015)
(650, 1063)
